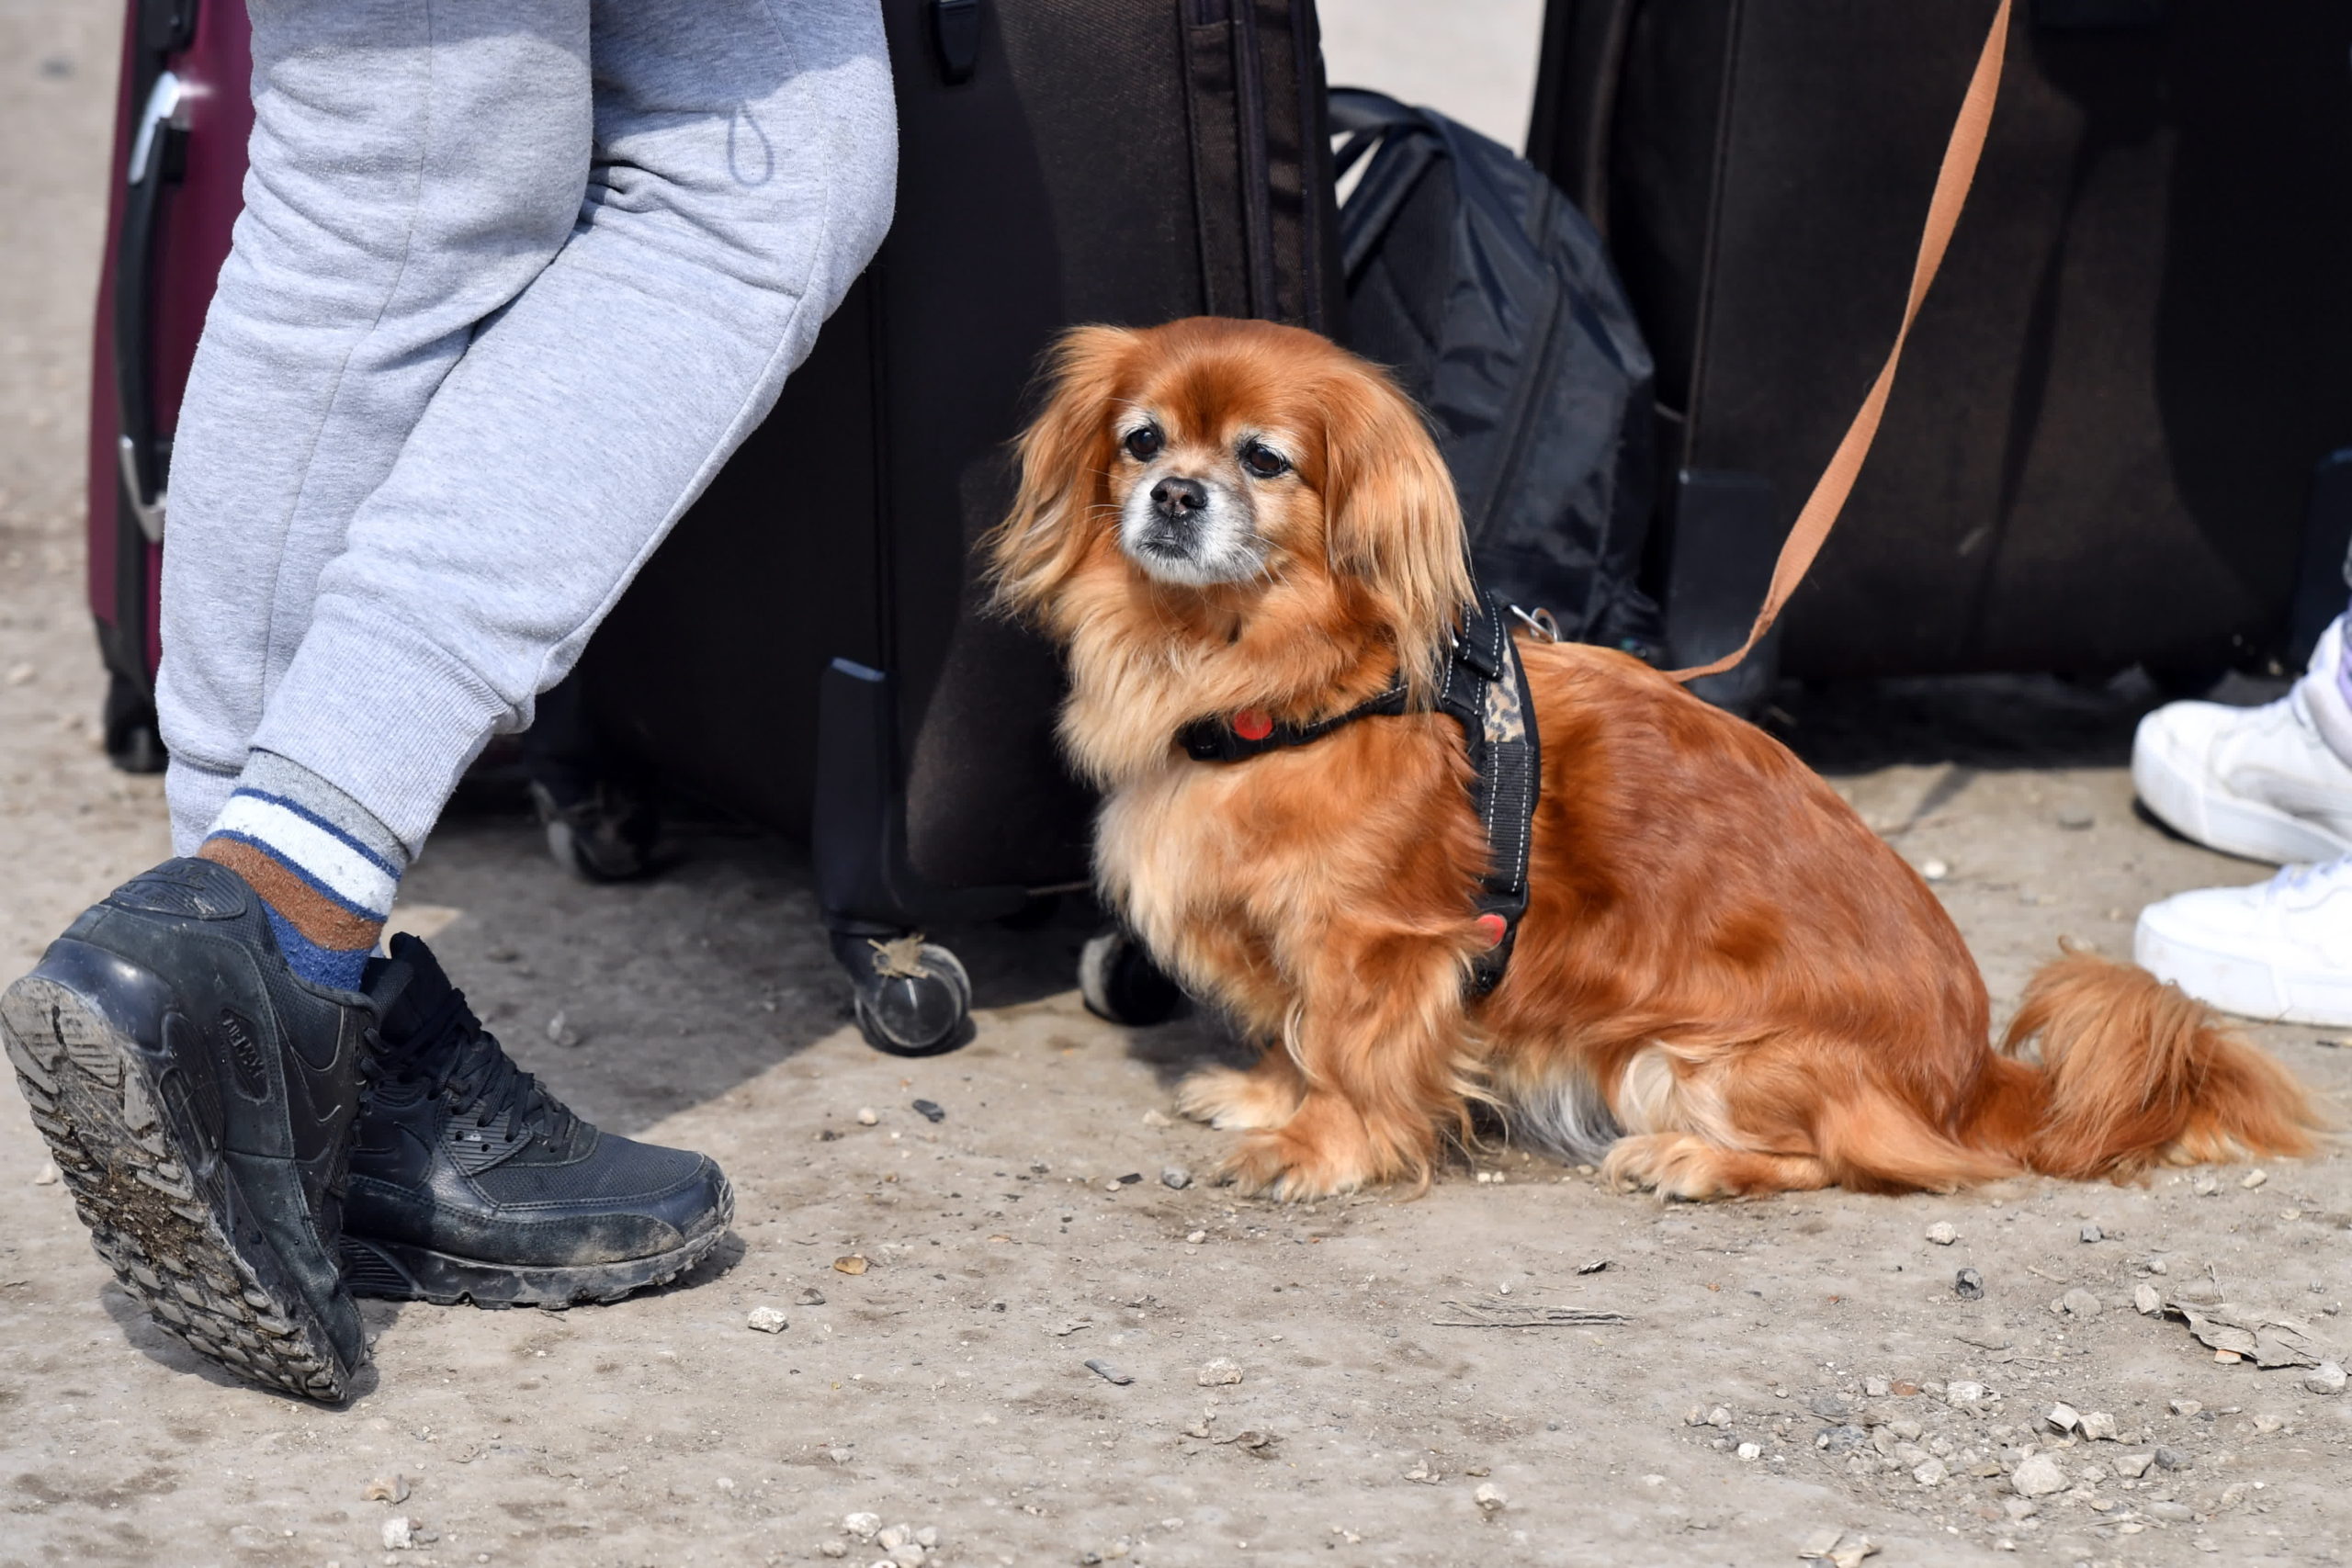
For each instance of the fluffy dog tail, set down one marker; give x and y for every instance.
(2133, 1073)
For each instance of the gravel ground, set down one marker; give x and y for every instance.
(1278, 1384)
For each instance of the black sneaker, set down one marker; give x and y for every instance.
(470, 1182)
(198, 1097)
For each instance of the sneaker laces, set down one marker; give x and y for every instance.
(2296, 878)
(451, 1054)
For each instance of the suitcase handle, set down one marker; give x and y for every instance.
(1837, 481)
(154, 152)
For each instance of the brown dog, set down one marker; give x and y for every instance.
(1723, 982)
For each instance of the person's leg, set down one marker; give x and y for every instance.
(743, 174)
(408, 174)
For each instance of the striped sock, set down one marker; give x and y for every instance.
(326, 870)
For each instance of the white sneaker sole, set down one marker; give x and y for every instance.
(2245, 987)
(2184, 799)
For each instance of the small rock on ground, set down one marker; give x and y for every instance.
(1219, 1371)
(766, 1319)
(1943, 1233)
(2038, 1476)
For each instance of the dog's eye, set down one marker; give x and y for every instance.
(1142, 445)
(1263, 460)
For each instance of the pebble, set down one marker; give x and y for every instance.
(1934, 870)
(811, 1297)
(2172, 1459)
(1175, 1176)
(1962, 1393)
(399, 1533)
(833, 1549)
(1219, 1372)
(1931, 1472)
(2254, 1178)
(2184, 1406)
(2063, 1418)
(1968, 1285)
(2092, 1233)
(2098, 1427)
(866, 1527)
(1875, 1388)
(559, 1031)
(1489, 1497)
(2326, 1378)
(1112, 1374)
(2148, 1299)
(767, 1320)
(1750, 1452)
(2080, 1302)
(1156, 1118)
(930, 1110)
(1719, 1416)
(1942, 1233)
(2206, 1184)
(1194, 1238)
(383, 1491)
(867, 1116)
(2171, 1513)
(47, 1175)
(2038, 1476)
(2075, 818)
(853, 1264)
(2134, 1466)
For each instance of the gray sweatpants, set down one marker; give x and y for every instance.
(511, 282)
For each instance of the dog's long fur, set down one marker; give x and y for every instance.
(1725, 983)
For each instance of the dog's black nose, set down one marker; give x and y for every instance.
(1178, 499)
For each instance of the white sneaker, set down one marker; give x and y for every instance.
(2262, 783)
(2280, 950)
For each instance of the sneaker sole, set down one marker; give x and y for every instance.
(161, 1206)
(396, 1271)
(2246, 987)
(2191, 807)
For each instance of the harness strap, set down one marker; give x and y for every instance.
(1484, 690)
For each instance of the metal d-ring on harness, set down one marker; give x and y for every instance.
(1484, 690)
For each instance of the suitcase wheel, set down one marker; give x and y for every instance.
(913, 997)
(1121, 982)
(133, 743)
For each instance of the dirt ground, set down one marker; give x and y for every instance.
(947, 1387)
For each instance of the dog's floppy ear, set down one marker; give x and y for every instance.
(1064, 456)
(1392, 520)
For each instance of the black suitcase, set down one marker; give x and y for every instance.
(2100, 450)
(807, 649)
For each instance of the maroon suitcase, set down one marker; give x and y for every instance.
(181, 124)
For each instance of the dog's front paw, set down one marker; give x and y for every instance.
(1238, 1102)
(1280, 1163)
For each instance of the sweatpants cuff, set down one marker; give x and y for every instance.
(383, 713)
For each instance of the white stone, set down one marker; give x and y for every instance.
(1962, 1392)
(1489, 1497)
(2063, 1418)
(1718, 1417)
(866, 1527)
(1931, 1472)
(399, 1534)
(866, 1116)
(1218, 1373)
(2254, 1178)
(767, 1320)
(2326, 1378)
(833, 1549)
(2038, 1476)
(2134, 1466)
(2148, 1299)
(2098, 1427)
(1943, 1232)
(1750, 1452)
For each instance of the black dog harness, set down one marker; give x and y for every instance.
(1486, 690)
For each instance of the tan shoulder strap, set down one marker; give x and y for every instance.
(1836, 482)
